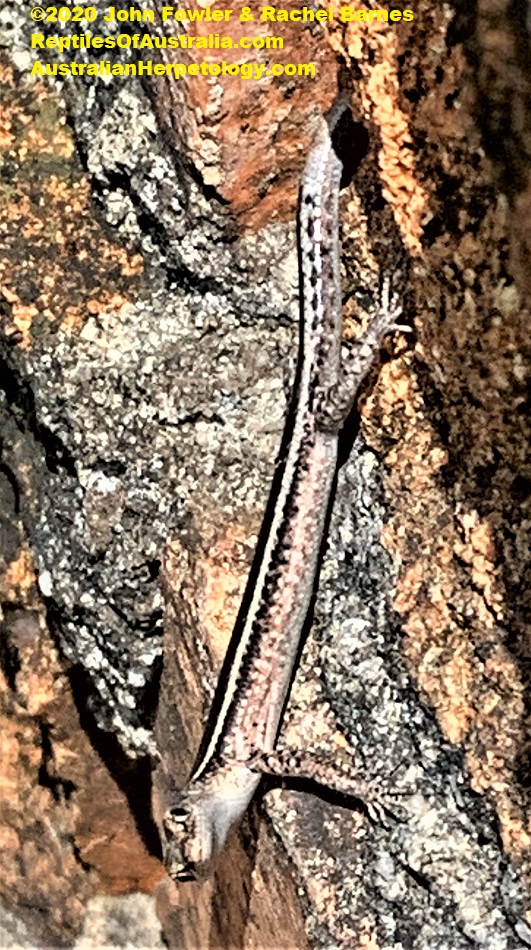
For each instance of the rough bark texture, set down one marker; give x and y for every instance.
(149, 288)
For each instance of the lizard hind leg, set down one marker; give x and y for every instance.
(333, 405)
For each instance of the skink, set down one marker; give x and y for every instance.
(256, 678)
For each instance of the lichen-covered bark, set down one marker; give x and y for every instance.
(149, 284)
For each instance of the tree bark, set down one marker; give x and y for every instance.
(150, 300)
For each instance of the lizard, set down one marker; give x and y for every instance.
(240, 738)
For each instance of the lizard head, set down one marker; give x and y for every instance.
(189, 847)
(198, 822)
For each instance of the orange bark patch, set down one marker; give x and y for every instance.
(375, 47)
(451, 598)
(249, 138)
(54, 256)
(225, 571)
(19, 577)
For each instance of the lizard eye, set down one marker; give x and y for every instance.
(178, 814)
(183, 873)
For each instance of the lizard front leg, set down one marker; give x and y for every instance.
(335, 771)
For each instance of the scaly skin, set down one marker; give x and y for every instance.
(256, 678)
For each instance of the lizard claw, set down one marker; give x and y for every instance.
(382, 805)
(400, 328)
(377, 813)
